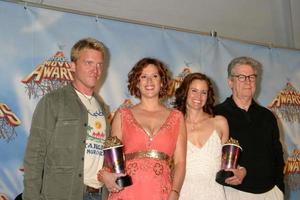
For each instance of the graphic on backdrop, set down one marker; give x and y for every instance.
(8, 122)
(50, 75)
(292, 170)
(175, 83)
(287, 104)
(127, 103)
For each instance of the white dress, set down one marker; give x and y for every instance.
(202, 164)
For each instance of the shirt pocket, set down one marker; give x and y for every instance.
(67, 133)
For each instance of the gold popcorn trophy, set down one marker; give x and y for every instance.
(114, 159)
(230, 155)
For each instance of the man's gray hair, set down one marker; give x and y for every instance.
(256, 65)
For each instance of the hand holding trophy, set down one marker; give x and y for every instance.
(114, 159)
(230, 154)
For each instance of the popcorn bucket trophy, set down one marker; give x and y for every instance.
(230, 154)
(114, 159)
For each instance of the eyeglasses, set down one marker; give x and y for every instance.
(243, 78)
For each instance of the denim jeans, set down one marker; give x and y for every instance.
(92, 196)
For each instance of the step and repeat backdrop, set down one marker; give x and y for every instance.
(34, 60)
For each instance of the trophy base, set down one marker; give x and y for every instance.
(124, 181)
(222, 175)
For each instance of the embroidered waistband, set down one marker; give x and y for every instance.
(147, 154)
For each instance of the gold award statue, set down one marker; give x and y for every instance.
(230, 154)
(114, 159)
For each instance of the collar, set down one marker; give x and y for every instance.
(233, 104)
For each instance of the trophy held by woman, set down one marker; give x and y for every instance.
(114, 159)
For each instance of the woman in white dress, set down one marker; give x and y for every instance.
(206, 133)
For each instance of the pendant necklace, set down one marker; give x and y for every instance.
(89, 98)
(195, 123)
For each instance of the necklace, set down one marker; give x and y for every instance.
(195, 123)
(88, 98)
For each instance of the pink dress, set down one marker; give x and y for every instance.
(151, 177)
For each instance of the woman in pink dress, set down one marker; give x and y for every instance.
(152, 135)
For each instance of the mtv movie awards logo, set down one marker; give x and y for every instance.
(287, 106)
(50, 75)
(292, 169)
(175, 83)
(8, 122)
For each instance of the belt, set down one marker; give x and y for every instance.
(147, 154)
(89, 189)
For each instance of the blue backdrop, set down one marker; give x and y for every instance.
(30, 36)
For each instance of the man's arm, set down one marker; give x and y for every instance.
(36, 150)
(278, 155)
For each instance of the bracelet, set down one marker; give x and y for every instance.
(175, 192)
